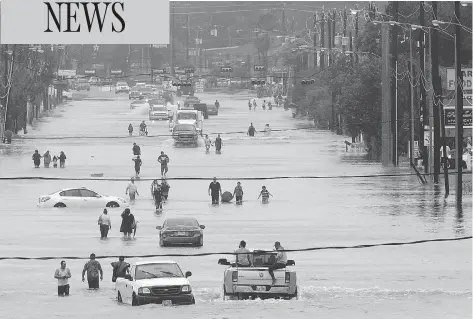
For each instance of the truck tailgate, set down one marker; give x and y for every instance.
(259, 276)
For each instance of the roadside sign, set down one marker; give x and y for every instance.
(67, 73)
(89, 72)
(116, 72)
(467, 75)
(449, 117)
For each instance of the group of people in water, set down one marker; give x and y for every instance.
(253, 105)
(143, 129)
(215, 191)
(127, 227)
(47, 158)
(163, 159)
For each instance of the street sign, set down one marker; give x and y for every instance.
(226, 69)
(467, 75)
(449, 117)
(160, 46)
(116, 72)
(280, 69)
(259, 67)
(189, 70)
(416, 149)
(67, 73)
(258, 82)
(160, 71)
(89, 72)
(305, 82)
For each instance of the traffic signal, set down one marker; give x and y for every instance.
(226, 69)
(189, 70)
(258, 82)
(305, 82)
(259, 67)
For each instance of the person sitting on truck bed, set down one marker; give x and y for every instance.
(280, 262)
(242, 257)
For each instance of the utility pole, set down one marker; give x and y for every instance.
(444, 145)
(187, 39)
(5, 76)
(329, 31)
(315, 39)
(411, 126)
(394, 54)
(458, 107)
(424, 110)
(351, 49)
(322, 41)
(334, 12)
(344, 26)
(283, 20)
(436, 98)
(356, 36)
(171, 40)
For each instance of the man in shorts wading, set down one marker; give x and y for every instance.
(132, 190)
(215, 191)
(62, 275)
(163, 159)
(93, 268)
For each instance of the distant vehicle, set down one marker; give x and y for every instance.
(93, 80)
(256, 282)
(82, 85)
(185, 134)
(138, 103)
(202, 107)
(157, 282)
(188, 117)
(67, 94)
(79, 197)
(212, 109)
(158, 112)
(181, 231)
(134, 95)
(122, 87)
(146, 91)
(107, 81)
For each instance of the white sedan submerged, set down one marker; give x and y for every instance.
(80, 197)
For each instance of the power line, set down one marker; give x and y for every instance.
(252, 253)
(126, 179)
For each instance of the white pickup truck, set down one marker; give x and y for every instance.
(159, 282)
(256, 282)
(192, 117)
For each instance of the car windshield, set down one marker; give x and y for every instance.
(184, 127)
(263, 259)
(186, 116)
(181, 222)
(158, 109)
(151, 271)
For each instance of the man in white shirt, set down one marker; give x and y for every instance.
(105, 224)
(62, 275)
(132, 189)
(280, 262)
(242, 258)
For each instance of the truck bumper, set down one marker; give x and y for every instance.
(184, 299)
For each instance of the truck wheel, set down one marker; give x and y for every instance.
(134, 300)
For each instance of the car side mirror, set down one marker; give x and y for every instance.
(223, 261)
(290, 263)
(188, 274)
(159, 227)
(202, 226)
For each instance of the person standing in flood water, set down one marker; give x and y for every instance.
(62, 160)
(218, 143)
(127, 223)
(120, 268)
(105, 224)
(62, 275)
(36, 159)
(47, 159)
(93, 268)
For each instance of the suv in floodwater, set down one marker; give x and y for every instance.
(185, 134)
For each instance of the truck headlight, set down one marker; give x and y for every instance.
(186, 288)
(144, 291)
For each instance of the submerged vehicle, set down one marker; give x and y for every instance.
(185, 134)
(158, 282)
(192, 117)
(256, 282)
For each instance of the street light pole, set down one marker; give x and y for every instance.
(411, 126)
(458, 107)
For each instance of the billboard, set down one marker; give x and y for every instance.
(449, 117)
(466, 79)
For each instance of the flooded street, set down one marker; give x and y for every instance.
(431, 280)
